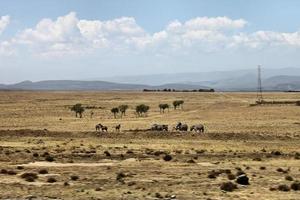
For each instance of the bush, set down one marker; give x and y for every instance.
(283, 188)
(29, 176)
(74, 178)
(231, 176)
(120, 176)
(177, 103)
(123, 108)
(289, 178)
(115, 111)
(295, 186)
(167, 157)
(11, 172)
(49, 158)
(162, 107)
(43, 171)
(142, 109)
(228, 186)
(51, 180)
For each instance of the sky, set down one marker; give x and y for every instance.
(64, 39)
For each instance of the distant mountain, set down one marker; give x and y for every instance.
(239, 80)
(283, 83)
(219, 78)
(90, 85)
(72, 85)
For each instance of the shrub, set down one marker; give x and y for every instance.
(178, 103)
(49, 158)
(283, 188)
(231, 176)
(167, 157)
(289, 178)
(107, 153)
(29, 176)
(115, 111)
(51, 180)
(142, 109)
(295, 186)
(74, 177)
(20, 167)
(123, 108)
(228, 186)
(120, 176)
(162, 107)
(43, 171)
(11, 172)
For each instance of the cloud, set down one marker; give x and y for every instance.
(69, 35)
(4, 21)
(206, 23)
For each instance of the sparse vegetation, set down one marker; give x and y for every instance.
(163, 107)
(178, 104)
(142, 110)
(51, 180)
(115, 111)
(29, 176)
(123, 108)
(74, 177)
(78, 109)
(228, 186)
(233, 145)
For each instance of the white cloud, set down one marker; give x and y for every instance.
(70, 35)
(4, 21)
(205, 23)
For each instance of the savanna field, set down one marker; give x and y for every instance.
(246, 151)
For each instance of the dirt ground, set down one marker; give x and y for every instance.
(46, 153)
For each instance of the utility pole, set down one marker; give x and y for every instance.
(259, 85)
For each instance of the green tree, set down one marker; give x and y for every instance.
(162, 107)
(115, 111)
(178, 103)
(142, 109)
(78, 109)
(123, 109)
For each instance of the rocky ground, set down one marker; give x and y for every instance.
(147, 165)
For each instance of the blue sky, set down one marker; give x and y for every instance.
(63, 39)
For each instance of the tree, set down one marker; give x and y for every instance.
(78, 109)
(122, 109)
(162, 107)
(141, 109)
(178, 103)
(115, 111)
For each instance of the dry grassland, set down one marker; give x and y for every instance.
(47, 153)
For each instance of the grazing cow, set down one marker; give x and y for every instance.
(118, 127)
(104, 128)
(98, 127)
(157, 127)
(198, 128)
(181, 127)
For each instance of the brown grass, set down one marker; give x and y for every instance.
(239, 139)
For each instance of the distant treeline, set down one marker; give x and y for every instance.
(174, 90)
(292, 91)
(264, 102)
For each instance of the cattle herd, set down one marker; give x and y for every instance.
(159, 127)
